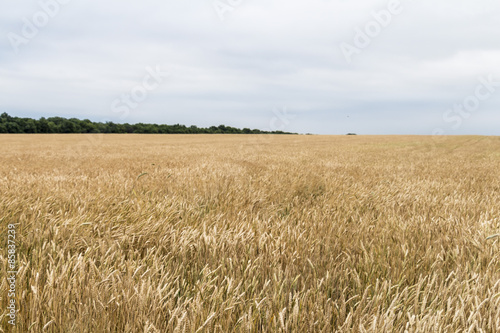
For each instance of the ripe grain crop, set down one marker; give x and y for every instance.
(242, 233)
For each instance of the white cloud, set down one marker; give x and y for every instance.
(263, 55)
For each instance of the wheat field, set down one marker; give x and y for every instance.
(243, 233)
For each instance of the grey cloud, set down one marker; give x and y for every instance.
(264, 55)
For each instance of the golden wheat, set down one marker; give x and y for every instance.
(220, 233)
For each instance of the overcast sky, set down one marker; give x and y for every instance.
(317, 66)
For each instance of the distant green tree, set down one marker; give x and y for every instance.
(87, 126)
(10, 124)
(30, 126)
(68, 126)
(42, 126)
(13, 127)
(52, 127)
(5, 118)
(128, 128)
(150, 129)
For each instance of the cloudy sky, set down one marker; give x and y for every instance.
(317, 66)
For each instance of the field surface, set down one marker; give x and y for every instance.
(242, 233)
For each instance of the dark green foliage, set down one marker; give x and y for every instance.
(10, 124)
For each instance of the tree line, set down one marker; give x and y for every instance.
(9, 124)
